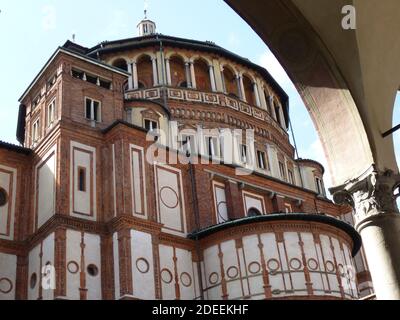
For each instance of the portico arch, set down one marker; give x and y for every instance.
(348, 80)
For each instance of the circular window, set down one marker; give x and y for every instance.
(92, 270)
(73, 267)
(232, 272)
(142, 265)
(166, 276)
(273, 265)
(5, 285)
(295, 264)
(254, 267)
(186, 279)
(330, 267)
(33, 280)
(313, 264)
(3, 197)
(213, 278)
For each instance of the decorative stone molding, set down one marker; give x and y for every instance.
(372, 194)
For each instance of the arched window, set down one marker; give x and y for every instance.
(253, 212)
(183, 84)
(178, 71)
(248, 90)
(230, 82)
(121, 64)
(202, 75)
(145, 72)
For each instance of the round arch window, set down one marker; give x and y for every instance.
(3, 197)
(92, 270)
(253, 212)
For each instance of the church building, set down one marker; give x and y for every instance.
(158, 167)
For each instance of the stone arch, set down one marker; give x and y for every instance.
(249, 89)
(230, 80)
(120, 63)
(319, 82)
(203, 57)
(170, 54)
(202, 73)
(178, 71)
(144, 66)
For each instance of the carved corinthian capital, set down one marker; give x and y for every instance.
(370, 195)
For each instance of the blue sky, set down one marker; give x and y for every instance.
(30, 33)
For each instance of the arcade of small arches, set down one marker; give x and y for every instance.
(199, 73)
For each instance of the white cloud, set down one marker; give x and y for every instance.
(49, 20)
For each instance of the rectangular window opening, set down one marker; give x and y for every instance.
(81, 179)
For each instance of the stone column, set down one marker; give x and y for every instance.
(239, 81)
(155, 78)
(130, 79)
(193, 75)
(135, 76)
(377, 219)
(168, 67)
(212, 79)
(223, 81)
(187, 71)
(242, 91)
(256, 94)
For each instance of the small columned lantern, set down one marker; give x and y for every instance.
(146, 27)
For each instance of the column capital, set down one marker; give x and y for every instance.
(370, 195)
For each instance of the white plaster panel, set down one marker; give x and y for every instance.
(167, 272)
(212, 269)
(253, 201)
(143, 265)
(329, 259)
(83, 203)
(92, 256)
(253, 262)
(186, 274)
(170, 201)
(35, 264)
(138, 182)
(46, 184)
(243, 272)
(231, 267)
(8, 271)
(8, 182)
(271, 254)
(34, 268)
(220, 203)
(312, 260)
(295, 258)
(116, 266)
(73, 255)
(48, 257)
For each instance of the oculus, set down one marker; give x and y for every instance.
(92, 270)
(5, 285)
(73, 267)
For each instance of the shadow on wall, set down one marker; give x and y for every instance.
(396, 135)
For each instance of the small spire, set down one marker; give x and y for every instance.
(145, 14)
